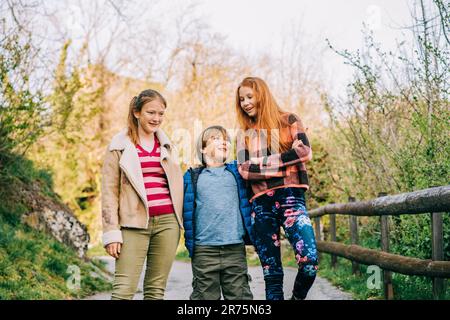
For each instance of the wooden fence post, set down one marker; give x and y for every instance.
(354, 237)
(387, 275)
(438, 252)
(333, 238)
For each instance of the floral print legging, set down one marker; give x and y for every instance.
(284, 207)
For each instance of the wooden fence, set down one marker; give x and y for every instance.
(434, 201)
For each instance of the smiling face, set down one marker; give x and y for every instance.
(151, 116)
(248, 101)
(217, 147)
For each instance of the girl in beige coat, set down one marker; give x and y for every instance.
(142, 200)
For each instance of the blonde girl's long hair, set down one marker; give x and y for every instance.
(269, 114)
(136, 105)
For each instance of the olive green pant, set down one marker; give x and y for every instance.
(220, 270)
(158, 244)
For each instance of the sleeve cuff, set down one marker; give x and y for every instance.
(112, 236)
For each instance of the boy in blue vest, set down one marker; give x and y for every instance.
(217, 221)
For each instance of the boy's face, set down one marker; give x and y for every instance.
(217, 148)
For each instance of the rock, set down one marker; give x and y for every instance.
(50, 215)
(62, 225)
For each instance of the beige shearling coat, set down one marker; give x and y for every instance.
(123, 195)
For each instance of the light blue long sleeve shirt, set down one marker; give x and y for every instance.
(218, 219)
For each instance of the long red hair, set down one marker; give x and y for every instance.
(269, 114)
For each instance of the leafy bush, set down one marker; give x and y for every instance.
(22, 107)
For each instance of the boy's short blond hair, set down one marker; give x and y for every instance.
(204, 137)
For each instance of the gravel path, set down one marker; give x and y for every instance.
(179, 284)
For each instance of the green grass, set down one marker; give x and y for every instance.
(405, 287)
(182, 254)
(16, 169)
(33, 265)
(343, 278)
(96, 251)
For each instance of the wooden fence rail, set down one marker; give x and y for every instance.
(428, 200)
(435, 201)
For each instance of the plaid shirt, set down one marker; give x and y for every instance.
(266, 171)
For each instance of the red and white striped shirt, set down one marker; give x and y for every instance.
(155, 181)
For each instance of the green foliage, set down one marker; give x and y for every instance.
(405, 287)
(74, 99)
(394, 131)
(18, 168)
(21, 107)
(15, 170)
(74, 141)
(96, 251)
(32, 264)
(183, 255)
(35, 266)
(320, 176)
(391, 133)
(343, 278)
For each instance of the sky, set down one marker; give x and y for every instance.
(340, 20)
(255, 26)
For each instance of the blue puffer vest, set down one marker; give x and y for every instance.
(190, 190)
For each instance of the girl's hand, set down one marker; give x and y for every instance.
(113, 249)
(297, 143)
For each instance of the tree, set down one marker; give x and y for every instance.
(22, 107)
(391, 132)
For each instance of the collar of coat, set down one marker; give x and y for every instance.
(129, 160)
(121, 140)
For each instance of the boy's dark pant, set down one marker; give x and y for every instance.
(220, 269)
